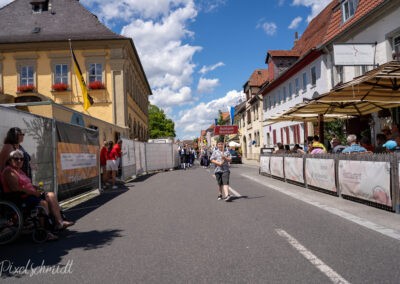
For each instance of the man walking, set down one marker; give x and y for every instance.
(221, 159)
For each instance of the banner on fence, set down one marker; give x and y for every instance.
(294, 169)
(321, 173)
(37, 142)
(276, 166)
(264, 164)
(77, 160)
(128, 159)
(366, 180)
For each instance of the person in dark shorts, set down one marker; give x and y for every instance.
(221, 159)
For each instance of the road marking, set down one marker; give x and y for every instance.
(319, 264)
(350, 217)
(237, 194)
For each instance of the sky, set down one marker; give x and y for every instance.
(197, 55)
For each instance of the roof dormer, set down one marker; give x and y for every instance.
(349, 8)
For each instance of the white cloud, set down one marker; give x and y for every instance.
(206, 69)
(207, 86)
(316, 6)
(295, 23)
(165, 97)
(210, 5)
(281, 2)
(201, 116)
(269, 28)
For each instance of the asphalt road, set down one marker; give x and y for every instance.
(170, 228)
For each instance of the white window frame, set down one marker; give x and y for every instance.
(313, 73)
(349, 8)
(290, 91)
(304, 80)
(24, 64)
(296, 86)
(396, 46)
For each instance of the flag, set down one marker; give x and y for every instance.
(87, 99)
(231, 114)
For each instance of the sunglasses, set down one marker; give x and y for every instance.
(18, 159)
(22, 134)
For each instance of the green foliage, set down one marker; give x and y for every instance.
(159, 125)
(220, 120)
(335, 129)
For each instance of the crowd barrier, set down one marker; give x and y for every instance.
(369, 178)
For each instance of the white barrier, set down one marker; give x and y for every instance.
(321, 173)
(294, 169)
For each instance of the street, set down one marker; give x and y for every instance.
(169, 227)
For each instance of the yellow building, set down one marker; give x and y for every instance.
(36, 68)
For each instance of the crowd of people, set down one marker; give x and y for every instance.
(386, 142)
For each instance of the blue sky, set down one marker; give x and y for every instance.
(198, 54)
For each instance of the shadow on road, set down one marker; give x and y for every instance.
(25, 254)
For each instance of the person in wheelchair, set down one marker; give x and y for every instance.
(15, 181)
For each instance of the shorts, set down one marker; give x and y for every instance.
(112, 165)
(32, 201)
(222, 178)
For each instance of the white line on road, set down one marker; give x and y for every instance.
(350, 217)
(319, 264)
(237, 194)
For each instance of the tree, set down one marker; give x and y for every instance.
(159, 125)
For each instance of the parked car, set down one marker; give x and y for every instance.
(236, 158)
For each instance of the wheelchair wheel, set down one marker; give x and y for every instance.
(10, 222)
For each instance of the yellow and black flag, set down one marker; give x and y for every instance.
(87, 99)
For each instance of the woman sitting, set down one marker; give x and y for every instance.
(14, 180)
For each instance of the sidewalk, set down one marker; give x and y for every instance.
(379, 220)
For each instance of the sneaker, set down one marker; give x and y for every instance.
(115, 187)
(228, 198)
(219, 197)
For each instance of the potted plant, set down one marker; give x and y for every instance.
(26, 88)
(96, 85)
(59, 87)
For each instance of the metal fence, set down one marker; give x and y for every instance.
(369, 178)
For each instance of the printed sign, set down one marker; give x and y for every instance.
(294, 169)
(321, 173)
(264, 164)
(276, 166)
(225, 129)
(366, 180)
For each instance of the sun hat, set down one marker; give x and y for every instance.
(390, 144)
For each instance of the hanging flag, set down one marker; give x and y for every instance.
(231, 114)
(87, 99)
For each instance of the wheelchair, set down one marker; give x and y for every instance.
(17, 217)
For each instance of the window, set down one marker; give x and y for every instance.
(284, 94)
(313, 76)
(269, 102)
(339, 74)
(348, 9)
(26, 75)
(297, 86)
(290, 91)
(40, 7)
(304, 82)
(95, 72)
(396, 47)
(61, 73)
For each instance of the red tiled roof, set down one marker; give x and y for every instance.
(337, 26)
(225, 115)
(259, 77)
(284, 53)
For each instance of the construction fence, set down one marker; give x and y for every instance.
(65, 157)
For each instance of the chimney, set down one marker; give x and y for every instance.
(296, 37)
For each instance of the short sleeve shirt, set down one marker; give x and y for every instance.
(355, 148)
(217, 156)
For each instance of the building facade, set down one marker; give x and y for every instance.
(36, 66)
